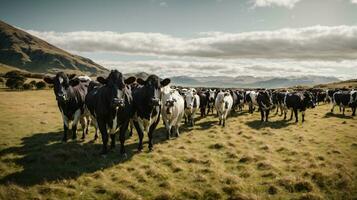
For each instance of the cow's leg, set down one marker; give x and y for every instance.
(303, 115)
(343, 111)
(65, 130)
(140, 134)
(333, 107)
(76, 118)
(95, 123)
(83, 122)
(281, 110)
(168, 129)
(131, 126)
(291, 115)
(151, 132)
(112, 140)
(122, 132)
(262, 115)
(266, 115)
(103, 130)
(285, 112)
(353, 111)
(296, 115)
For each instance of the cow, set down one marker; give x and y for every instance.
(147, 104)
(329, 95)
(192, 103)
(235, 99)
(111, 105)
(251, 99)
(70, 95)
(345, 99)
(211, 94)
(321, 97)
(278, 101)
(172, 110)
(298, 101)
(240, 100)
(203, 102)
(223, 105)
(265, 104)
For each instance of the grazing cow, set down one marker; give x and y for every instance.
(172, 110)
(345, 99)
(192, 103)
(211, 95)
(223, 105)
(251, 99)
(298, 101)
(321, 97)
(147, 107)
(240, 100)
(70, 95)
(203, 102)
(111, 106)
(265, 104)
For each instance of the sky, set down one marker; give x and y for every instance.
(199, 37)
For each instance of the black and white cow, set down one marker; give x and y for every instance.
(111, 106)
(329, 95)
(211, 95)
(240, 99)
(298, 101)
(223, 105)
(70, 95)
(192, 104)
(265, 104)
(321, 96)
(278, 101)
(203, 102)
(345, 99)
(251, 99)
(147, 107)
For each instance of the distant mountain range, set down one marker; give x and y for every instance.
(24, 51)
(244, 81)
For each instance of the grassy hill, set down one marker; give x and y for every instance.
(245, 160)
(341, 84)
(24, 51)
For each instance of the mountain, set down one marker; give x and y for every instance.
(27, 52)
(251, 81)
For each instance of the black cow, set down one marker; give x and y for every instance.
(235, 99)
(345, 99)
(329, 95)
(298, 101)
(265, 104)
(70, 95)
(203, 102)
(240, 99)
(112, 107)
(321, 97)
(278, 101)
(147, 107)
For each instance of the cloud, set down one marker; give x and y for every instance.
(282, 3)
(163, 4)
(316, 42)
(239, 67)
(354, 1)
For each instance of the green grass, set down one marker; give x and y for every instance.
(245, 160)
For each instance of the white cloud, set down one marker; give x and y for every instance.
(238, 67)
(354, 1)
(317, 42)
(281, 3)
(163, 4)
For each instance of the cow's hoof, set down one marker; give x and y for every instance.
(124, 156)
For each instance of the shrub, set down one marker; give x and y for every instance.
(15, 83)
(40, 85)
(27, 86)
(33, 83)
(2, 81)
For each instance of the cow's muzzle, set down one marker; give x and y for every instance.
(155, 101)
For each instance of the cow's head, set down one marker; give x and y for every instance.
(116, 84)
(265, 99)
(211, 95)
(309, 100)
(61, 83)
(153, 87)
(190, 98)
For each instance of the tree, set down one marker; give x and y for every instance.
(14, 83)
(27, 86)
(40, 85)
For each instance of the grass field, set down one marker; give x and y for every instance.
(245, 160)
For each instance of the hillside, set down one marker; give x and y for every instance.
(24, 51)
(340, 84)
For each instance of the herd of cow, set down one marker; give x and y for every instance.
(115, 104)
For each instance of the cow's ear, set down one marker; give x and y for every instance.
(74, 82)
(71, 76)
(48, 79)
(226, 94)
(140, 81)
(130, 80)
(102, 80)
(165, 82)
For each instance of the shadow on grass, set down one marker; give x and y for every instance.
(44, 158)
(257, 124)
(329, 115)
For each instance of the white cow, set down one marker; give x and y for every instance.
(192, 104)
(172, 109)
(223, 104)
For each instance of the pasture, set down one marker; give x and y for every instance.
(245, 160)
